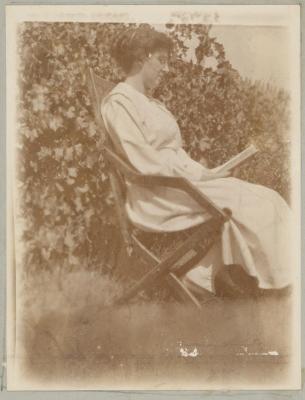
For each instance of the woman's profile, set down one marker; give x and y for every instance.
(147, 134)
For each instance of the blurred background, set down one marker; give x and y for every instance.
(227, 88)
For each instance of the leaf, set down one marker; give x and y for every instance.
(92, 129)
(88, 215)
(81, 123)
(70, 181)
(69, 240)
(79, 149)
(58, 153)
(59, 187)
(46, 253)
(83, 189)
(44, 152)
(69, 153)
(204, 144)
(70, 112)
(78, 204)
(72, 172)
(55, 122)
(38, 103)
(74, 260)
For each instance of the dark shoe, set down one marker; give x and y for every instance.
(283, 292)
(225, 286)
(248, 283)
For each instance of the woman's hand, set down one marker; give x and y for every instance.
(209, 175)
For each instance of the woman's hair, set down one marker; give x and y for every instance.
(135, 43)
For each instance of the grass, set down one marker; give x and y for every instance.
(69, 336)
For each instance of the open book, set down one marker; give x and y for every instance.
(237, 160)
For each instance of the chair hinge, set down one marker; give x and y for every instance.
(228, 213)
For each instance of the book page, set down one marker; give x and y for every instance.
(237, 160)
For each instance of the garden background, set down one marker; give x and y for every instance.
(65, 196)
(71, 237)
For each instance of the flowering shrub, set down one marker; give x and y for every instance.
(66, 199)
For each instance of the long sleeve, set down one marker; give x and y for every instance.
(124, 124)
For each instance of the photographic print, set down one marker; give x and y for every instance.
(153, 197)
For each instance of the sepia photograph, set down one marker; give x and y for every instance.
(153, 194)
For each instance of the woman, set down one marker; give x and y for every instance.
(144, 131)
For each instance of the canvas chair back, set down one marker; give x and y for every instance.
(98, 89)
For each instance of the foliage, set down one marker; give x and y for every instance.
(66, 199)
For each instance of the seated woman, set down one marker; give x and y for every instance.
(143, 130)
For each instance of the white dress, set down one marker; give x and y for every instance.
(258, 235)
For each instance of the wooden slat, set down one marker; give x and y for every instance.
(98, 89)
(173, 281)
(120, 209)
(182, 291)
(186, 267)
(146, 254)
(165, 265)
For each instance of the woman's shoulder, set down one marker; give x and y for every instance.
(119, 99)
(121, 95)
(117, 92)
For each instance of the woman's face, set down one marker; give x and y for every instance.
(154, 67)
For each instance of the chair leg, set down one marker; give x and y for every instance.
(182, 291)
(164, 267)
(172, 279)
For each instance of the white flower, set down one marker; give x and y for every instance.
(69, 92)
(83, 189)
(55, 123)
(210, 62)
(72, 172)
(38, 103)
(59, 50)
(44, 152)
(59, 187)
(69, 240)
(30, 133)
(88, 215)
(70, 181)
(81, 122)
(78, 149)
(78, 204)
(71, 112)
(34, 166)
(59, 152)
(92, 129)
(40, 89)
(73, 260)
(69, 154)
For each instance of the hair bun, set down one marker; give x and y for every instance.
(135, 43)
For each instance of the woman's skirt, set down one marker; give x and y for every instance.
(257, 237)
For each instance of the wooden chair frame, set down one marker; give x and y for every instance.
(186, 255)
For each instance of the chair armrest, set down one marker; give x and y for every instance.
(132, 175)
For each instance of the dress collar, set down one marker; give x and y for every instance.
(130, 89)
(127, 90)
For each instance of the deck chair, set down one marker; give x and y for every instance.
(182, 256)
